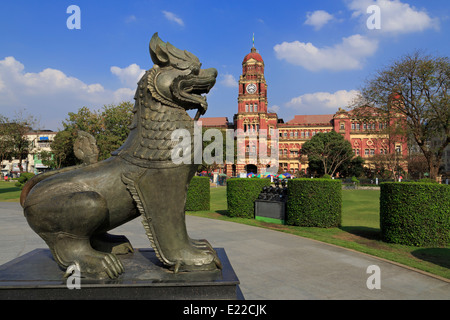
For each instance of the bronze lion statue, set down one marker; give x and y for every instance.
(73, 209)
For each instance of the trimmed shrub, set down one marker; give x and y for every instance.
(355, 180)
(24, 177)
(416, 214)
(241, 196)
(198, 194)
(314, 203)
(427, 180)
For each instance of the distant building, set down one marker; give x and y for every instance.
(215, 122)
(40, 141)
(252, 116)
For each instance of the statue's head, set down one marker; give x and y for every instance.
(177, 78)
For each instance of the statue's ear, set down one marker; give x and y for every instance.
(158, 51)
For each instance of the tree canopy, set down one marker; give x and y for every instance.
(109, 126)
(13, 140)
(328, 148)
(416, 86)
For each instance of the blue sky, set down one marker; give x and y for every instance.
(317, 53)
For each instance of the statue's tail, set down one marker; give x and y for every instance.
(38, 178)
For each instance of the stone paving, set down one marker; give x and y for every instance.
(270, 265)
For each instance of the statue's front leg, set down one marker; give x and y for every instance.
(163, 195)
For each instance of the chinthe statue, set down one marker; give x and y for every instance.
(73, 209)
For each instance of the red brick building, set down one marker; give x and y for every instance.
(367, 136)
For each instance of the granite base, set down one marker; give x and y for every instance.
(36, 276)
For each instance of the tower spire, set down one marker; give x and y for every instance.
(253, 39)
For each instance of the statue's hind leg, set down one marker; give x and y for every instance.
(66, 222)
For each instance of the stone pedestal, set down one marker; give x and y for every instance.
(37, 276)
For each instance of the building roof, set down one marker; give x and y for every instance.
(310, 119)
(214, 121)
(253, 55)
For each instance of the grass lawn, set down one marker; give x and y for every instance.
(360, 231)
(9, 192)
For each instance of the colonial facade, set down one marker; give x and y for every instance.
(367, 137)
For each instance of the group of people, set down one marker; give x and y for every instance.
(7, 176)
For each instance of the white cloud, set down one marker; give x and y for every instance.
(396, 17)
(274, 108)
(123, 94)
(130, 75)
(229, 81)
(173, 17)
(318, 19)
(51, 94)
(323, 100)
(130, 18)
(347, 55)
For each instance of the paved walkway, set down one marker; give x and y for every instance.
(270, 265)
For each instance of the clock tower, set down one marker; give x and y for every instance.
(252, 98)
(252, 115)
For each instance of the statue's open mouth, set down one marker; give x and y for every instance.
(190, 90)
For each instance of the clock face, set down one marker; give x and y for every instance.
(251, 88)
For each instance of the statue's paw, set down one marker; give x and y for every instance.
(205, 261)
(99, 265)
(122, 248)
(205, 246)
(112, 266)
(109, 243)
(201, 244)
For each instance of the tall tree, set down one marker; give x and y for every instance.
(13, 133)
(416, 86)
(62, 153)
(109, 126)
(330, 148)
(6, 141)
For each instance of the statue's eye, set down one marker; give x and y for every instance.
(196, 70)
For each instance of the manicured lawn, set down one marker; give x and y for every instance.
(360, 231)
(361, 208)
(9, 192)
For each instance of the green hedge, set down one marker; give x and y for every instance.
(416, 214)
(314, 203)
(241, 195)
(198, 194)
(24, 177)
